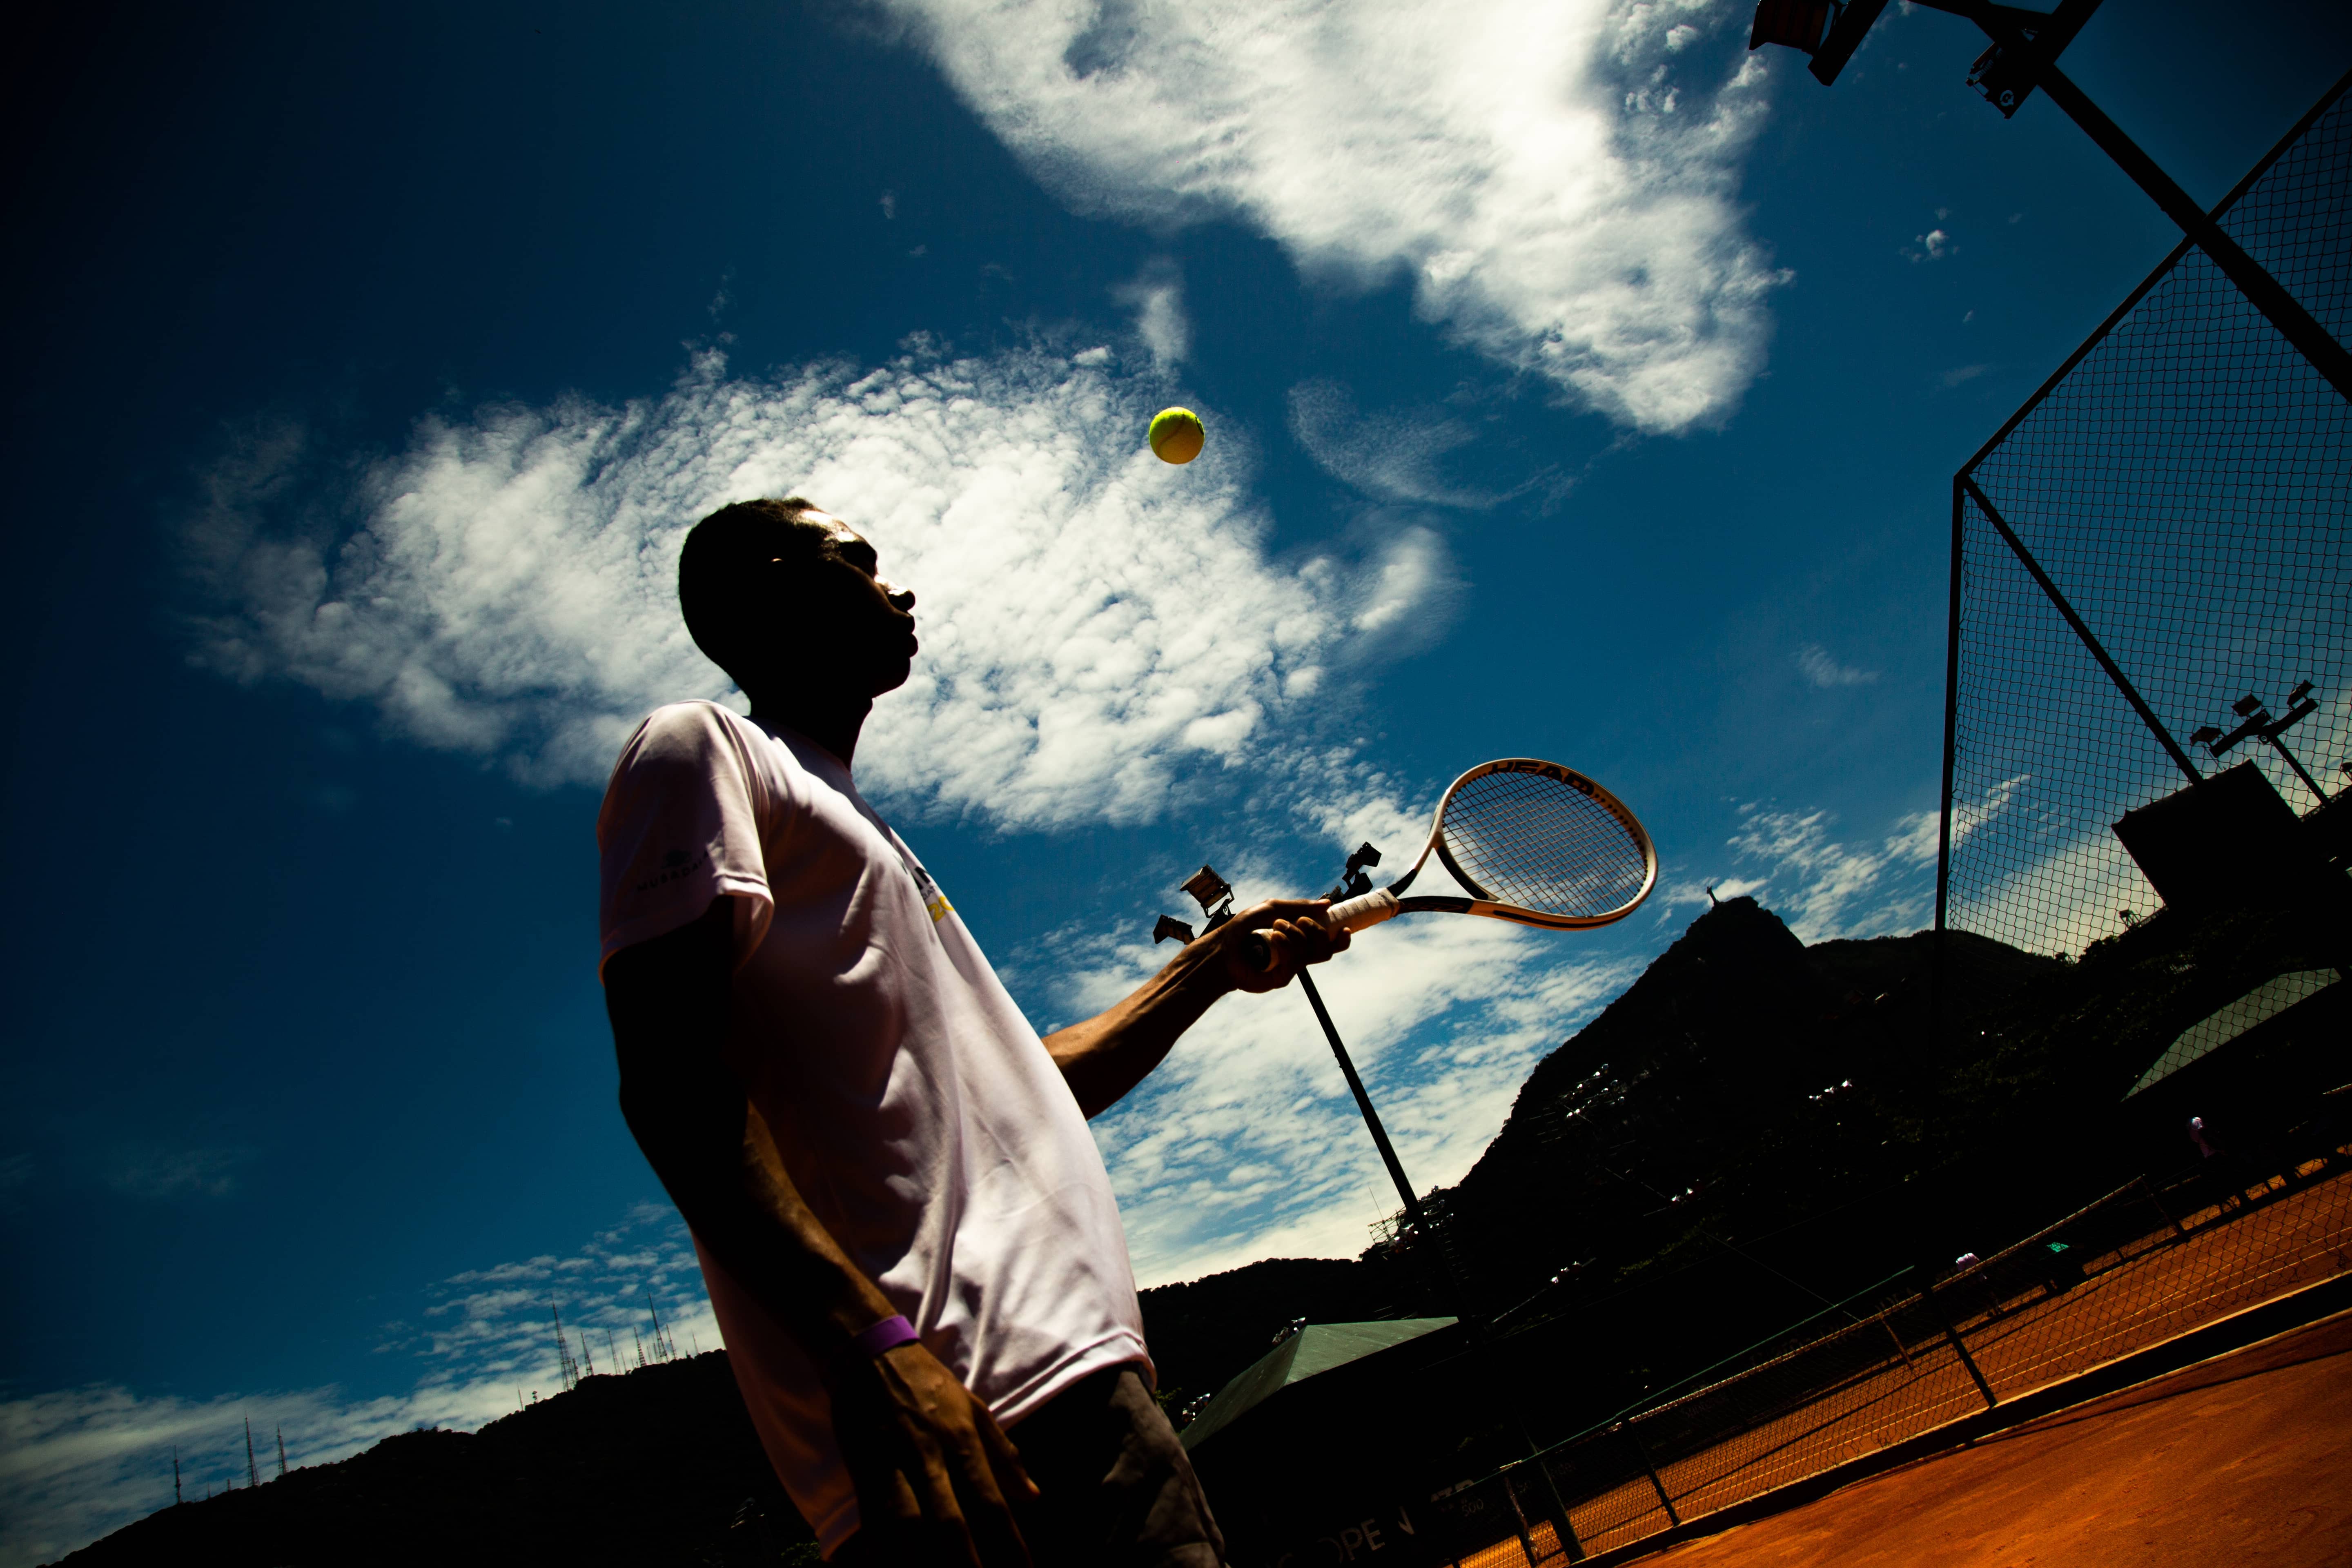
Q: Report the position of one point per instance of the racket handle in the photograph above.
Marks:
(1355, 914)
(1348, 915)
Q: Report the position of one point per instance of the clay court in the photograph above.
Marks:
(2244, 1458)
(2246, 1453)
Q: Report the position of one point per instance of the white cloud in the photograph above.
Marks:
(1556, 179)
(1391, 456)
(1245, 1143)
(1825, 672)
(1823, 888)
(1156, 295)
(1099, 629)
(1933, 246)
(76, 1463)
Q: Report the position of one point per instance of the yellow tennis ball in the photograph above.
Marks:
(1177, 436)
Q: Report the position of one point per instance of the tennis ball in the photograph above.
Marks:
(1177, 436)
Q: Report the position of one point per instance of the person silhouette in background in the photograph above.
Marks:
(907, 1232)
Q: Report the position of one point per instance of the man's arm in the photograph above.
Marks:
(1110, 1054)
(932, 1468)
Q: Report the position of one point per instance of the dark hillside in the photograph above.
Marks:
(1203, 1332)
(659, 1467)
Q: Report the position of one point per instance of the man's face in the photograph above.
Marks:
(861, 621)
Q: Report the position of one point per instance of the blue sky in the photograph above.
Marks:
(1578, 386)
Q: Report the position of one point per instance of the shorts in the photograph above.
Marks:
(1116, 1489)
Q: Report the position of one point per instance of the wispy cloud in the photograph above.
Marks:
(1823, 887)
(1556, 178)
(1101, 632)
(77, 1463)
(1391, 456)
(1960, 376)
(1156, 295)
(1825, 671)
(151, 1171)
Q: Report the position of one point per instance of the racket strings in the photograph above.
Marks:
(1543, 845)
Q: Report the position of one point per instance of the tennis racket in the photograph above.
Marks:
(1532, 842)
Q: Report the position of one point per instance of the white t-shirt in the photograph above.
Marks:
(915, 1108)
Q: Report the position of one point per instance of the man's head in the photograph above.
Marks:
(785, 598)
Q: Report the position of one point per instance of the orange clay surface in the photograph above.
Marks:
(2243, 1459)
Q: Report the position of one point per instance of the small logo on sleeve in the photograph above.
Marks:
(676, 864)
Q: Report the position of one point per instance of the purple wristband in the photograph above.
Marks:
(887, 1335)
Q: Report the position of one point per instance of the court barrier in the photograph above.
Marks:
(1897, 1362)
(2149, 565)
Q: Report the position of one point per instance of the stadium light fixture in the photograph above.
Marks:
(2259, 724)
(2023, 56)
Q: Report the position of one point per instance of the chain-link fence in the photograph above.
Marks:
(2163, 532)
(1897, 1361)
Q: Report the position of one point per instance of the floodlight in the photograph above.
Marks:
(2244, 705)
(2005, 76)
(1170, 926)
(2205, 735)
(1207, 887)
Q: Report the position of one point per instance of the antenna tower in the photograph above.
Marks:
(282, 1450)
(252, 1470)
(176, 1498)
(564, 1366)
(662, 1345)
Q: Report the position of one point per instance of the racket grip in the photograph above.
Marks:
(1348, 915)
(1355, 914)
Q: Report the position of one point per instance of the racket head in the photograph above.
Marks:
(1543, 845)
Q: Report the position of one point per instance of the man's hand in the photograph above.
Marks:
(1110, 1054)
(1292, 928)
(937, 1478)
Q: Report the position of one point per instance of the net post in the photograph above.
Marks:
(1952, 1337)
(2082, 632)
(1673, 1520)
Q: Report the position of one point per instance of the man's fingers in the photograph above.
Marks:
(991, 1526)
(1004, 1458)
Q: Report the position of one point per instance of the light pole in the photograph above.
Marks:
(1215, 897)
(2258, 723)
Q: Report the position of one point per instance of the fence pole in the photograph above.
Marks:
(2114, 672)
(1952, 1337)
(1951, 738)
(1527, 1536)
(1652, 1471)
(1559, 1520)
(2157, 1203)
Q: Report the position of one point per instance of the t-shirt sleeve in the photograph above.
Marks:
(680, 826)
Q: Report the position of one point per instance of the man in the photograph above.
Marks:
(904, 1226)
